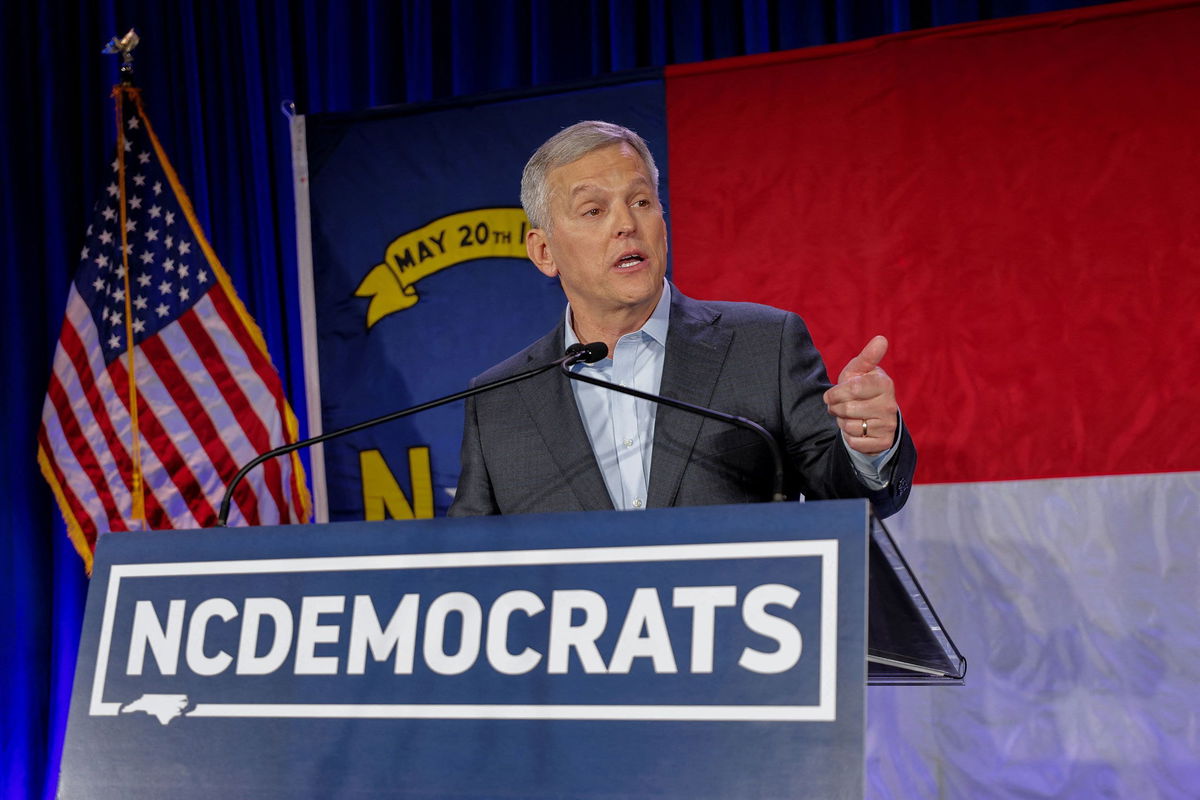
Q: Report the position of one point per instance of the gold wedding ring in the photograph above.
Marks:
(864, 433)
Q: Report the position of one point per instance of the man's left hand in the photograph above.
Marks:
(864, 401)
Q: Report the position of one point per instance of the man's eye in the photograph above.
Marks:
(592, 212)
(643, 203)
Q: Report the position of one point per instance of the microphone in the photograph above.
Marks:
(576, 353)
(598, 350)
(588, 353)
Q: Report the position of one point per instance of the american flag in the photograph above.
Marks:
(152, 314)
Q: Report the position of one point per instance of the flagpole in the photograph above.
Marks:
(124, 46)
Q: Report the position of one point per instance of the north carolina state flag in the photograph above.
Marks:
(1015, 205)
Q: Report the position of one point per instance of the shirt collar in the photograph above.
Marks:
(655, 327)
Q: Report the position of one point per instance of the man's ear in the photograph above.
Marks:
(537, 245)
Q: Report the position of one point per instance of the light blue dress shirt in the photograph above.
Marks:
(620, 428)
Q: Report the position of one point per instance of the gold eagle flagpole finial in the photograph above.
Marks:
(124, 46)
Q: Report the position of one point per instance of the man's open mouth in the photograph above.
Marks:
(630, 260)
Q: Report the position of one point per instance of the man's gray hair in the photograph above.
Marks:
(568, 145)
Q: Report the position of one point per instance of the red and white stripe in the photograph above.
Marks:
(203, 411)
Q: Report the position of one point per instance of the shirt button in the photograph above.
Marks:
(622, 383)
(628, 442)
(637, 503)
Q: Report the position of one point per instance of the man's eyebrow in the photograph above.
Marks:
(582, 188)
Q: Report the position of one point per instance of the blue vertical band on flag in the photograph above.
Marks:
(420, 275)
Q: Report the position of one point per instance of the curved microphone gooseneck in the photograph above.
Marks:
(720, 416)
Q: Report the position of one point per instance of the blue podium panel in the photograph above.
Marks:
(704, 652)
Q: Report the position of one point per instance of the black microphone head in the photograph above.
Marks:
(593, 352)
(579, 353)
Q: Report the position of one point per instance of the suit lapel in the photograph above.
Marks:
(551, 404)
(696, 350)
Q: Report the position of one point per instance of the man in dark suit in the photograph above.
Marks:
(549, 444)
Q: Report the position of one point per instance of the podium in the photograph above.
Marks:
(696, 652)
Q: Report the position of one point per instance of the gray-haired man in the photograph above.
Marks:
(546, 444)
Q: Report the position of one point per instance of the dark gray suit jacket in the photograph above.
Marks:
(525, 448)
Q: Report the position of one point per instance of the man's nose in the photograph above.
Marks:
(623, 221)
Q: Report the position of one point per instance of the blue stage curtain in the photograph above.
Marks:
(214, 76)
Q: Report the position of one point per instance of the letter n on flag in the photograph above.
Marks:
(161, 386)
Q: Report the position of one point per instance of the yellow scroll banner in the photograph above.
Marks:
(453, 239)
